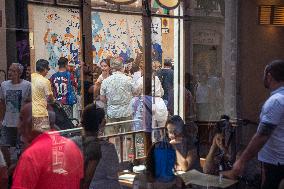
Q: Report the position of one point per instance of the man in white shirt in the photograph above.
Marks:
(116, 92)
(13, 93)
(268, 141)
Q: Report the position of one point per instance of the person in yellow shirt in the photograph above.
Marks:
(41, 95)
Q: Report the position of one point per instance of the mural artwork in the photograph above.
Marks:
(56, 34)
(121, 35)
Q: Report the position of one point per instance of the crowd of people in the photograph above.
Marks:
(34, 155)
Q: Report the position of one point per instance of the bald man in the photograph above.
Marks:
(13, 93)
(49, 162)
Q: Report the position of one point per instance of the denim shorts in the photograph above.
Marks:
(9, 136)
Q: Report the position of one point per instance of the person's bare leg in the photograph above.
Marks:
(6, 153)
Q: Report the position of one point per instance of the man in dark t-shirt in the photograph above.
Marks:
(166, 76)
(63, 85)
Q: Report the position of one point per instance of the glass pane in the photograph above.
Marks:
(117, 40)
(163, 71)
(207, 69)
(55, 33)
(213, 55)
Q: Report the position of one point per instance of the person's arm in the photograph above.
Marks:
(103, 92)
(255, 145)
(103, 98)
(271, 117)
(2, 111)
(186, 163)
(158, 84)
(2, 106)
(209, 165)
(48, 92)
(92, 156)
(97, 88)
(73, 81)
(89, 173)
(28, 95)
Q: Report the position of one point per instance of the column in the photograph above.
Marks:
(230, 72)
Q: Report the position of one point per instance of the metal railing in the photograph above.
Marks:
(121, 136)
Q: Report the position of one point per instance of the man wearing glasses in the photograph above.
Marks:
(41, 94)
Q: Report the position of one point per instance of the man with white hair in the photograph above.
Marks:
(13, 93)
(116, 91)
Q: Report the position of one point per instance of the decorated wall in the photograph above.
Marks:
(121, 35)
(55, 33)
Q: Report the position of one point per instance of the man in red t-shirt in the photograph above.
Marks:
(49, 162)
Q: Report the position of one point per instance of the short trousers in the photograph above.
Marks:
(118, 128)
(9, 136)
(41, 124)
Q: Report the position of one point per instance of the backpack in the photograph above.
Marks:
(165, 159)
(71, 96)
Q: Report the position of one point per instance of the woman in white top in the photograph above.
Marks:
(159, 108)
(105, 66)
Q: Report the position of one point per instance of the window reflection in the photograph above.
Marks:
(101, 102)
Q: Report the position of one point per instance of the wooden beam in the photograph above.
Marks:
(186, 59)
(147, 71)
(86, 47)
